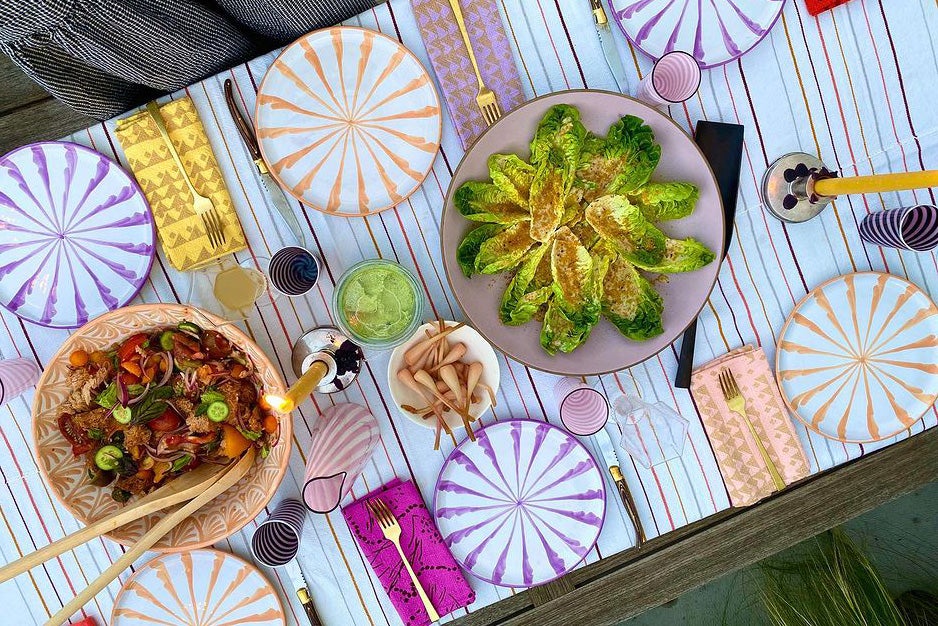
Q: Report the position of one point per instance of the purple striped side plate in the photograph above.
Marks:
(521, 505)
(76, 234)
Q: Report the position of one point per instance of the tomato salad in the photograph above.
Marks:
(160, 404)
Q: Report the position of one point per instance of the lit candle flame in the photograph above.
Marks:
(301, 389)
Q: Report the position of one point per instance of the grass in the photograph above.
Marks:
(832, 584)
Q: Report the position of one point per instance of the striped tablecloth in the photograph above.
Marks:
(855, 85)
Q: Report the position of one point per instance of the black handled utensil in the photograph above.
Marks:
(722, 146)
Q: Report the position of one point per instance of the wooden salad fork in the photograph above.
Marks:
(392, 532)
(183, 488)
(227, 479)
(486, 97)
(737, 404)
(203, 207)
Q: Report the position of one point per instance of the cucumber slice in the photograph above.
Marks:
(122, 414)
(189, 326)
(167, 342)
(108, 458)
(218, 411)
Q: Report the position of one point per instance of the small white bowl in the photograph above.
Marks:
(477, 349)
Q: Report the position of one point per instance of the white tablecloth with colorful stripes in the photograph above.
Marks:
(855, 85)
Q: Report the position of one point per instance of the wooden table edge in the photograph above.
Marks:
(628, 583)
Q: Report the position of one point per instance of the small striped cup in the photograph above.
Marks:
(16, 376)
(907, 228)
(674, 78)
(293, 271)
(277, 540)
(583, 410)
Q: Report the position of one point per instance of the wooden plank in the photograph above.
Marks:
(18, 89)
(629, 583)
(38, 121)
(550, 591)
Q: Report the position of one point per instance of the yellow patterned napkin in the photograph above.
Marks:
(185, 241)
(744, 471)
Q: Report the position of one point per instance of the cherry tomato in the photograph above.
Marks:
(79, 358)
(129, 348)
(80, 442)
(169, 420)
(88, 621)
(271, 423)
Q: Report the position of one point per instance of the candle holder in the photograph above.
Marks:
(327, 344)
(788, 187)
(325, 360)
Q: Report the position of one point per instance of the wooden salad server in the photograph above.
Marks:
(232, 474)
(183, 488)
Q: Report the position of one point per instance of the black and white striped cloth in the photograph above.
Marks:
(102, 57)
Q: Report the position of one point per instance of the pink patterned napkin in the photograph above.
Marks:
(744, 471)
(431, 559)
(450, 60)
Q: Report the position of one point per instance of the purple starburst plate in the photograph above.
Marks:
(76, 234)
(521, 505)
(714, 31)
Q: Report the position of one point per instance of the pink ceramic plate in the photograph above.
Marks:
(65, 474)
(684, 294)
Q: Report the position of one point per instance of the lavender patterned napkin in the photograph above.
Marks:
(450, 60)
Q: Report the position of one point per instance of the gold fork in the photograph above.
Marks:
(392, 532)
(737, 404)
(486, 98)
(204, 207)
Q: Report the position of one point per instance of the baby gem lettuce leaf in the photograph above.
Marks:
(620, 163)
(559, 333)
(559, 139)
(468, 249)
(505, 250)
(547, 201)
(522, 298)
(681, 256)
(631, 303)
(512, 175)
(484, 202)
(622, 224)
(660, 202)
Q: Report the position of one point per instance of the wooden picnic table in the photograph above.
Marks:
(630, 582)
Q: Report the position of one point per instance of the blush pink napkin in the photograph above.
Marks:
(435, 567)
(744, 471)
(450, 60)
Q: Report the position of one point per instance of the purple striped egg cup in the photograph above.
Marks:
(16, 376)
(277, 540)
(674, 78)
(906, 228)
(583, 410)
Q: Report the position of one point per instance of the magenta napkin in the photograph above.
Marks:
(450, 60)
(435, 567)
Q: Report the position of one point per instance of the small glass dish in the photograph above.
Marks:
(378, 304)
(651, 433)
